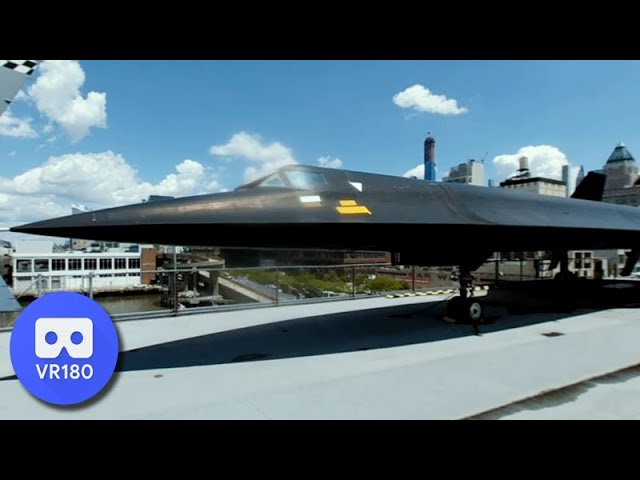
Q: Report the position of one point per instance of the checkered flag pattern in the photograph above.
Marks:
(21, 66)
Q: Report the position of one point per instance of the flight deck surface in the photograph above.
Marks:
(374, 358)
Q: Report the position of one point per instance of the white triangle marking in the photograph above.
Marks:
(356, 185)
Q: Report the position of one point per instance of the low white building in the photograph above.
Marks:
(35, 273)
(524, 182)
(542, 186)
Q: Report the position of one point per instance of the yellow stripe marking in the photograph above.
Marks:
(351, 207)
(353, 210)
(308, 205)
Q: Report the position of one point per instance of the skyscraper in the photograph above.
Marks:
(430, 158)
(580, 176)
(471, 173)
(565, 176)
(622, 184)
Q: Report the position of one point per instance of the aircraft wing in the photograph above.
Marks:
(13, 74)
(8, 302)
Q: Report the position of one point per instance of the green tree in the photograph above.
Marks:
(385, 284)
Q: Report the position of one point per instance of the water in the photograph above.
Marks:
(133, 303)
(112, 305)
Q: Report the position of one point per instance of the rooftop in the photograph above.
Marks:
(76, 253)
(518, 181)
(620, 154)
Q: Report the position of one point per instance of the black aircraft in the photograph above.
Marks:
(419, 222)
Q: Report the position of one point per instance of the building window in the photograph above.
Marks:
(578, 260)
(587, 260)
(23, 266)
(56, 283)
(75, 264)
(105, 264)
(121, 264)
(41, 265)
(134, 263)
(90, 263)
(58, 264)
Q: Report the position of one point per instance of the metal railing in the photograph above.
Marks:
(189, 290)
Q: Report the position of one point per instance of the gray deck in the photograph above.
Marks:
(373, 358)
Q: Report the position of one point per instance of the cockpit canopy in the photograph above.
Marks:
(299, 179)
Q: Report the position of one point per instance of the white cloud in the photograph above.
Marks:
(417, 171)
(191, 178)
(56, 93)
(11, 126)
(17, 209)
(544, 161)
(264, 158)
(50, 189)
(420, 98)
(328, 162)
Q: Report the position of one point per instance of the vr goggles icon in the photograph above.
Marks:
(54, 334)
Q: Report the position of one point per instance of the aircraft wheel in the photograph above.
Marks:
(474, 310)
(468, 310)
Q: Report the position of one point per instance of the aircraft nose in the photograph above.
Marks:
(147, 222)
(76, 226)
(59, 227)
(230, 218)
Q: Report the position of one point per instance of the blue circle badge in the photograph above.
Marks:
(64, 348)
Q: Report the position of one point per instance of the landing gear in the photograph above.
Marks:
(568, 287)
(465, 308)
(632, 259)
(562, 259)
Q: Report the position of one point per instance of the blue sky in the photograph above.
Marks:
(104, 133)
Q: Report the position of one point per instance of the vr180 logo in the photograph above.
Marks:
(55, 334)
(64, 348)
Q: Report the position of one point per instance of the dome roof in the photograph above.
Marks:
(620, 154)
